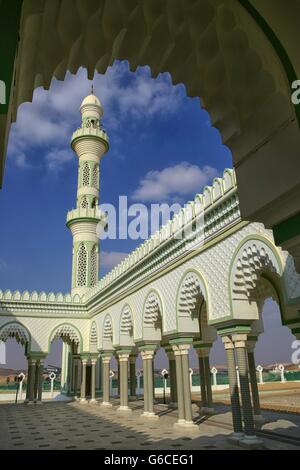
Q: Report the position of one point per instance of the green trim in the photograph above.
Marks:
(144, 346)
(232, 329)
(277, 45)
(287, 229)
(295, 330)
(182, 340)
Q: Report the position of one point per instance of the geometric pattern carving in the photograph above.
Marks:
(93, 338)
(93, 268)
(81, 266)
(190, 296)
(67, 333)
(14, 330)
(107, 328)
(250, 264)
(152, 314)
(126, 326)
(86, 172)
(84, 203)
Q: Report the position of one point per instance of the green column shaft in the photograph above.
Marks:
(202, 382)
(208, 382)
(145, 381)
(234, 392)
(150, 386)
(40, 381)
(245, 391)
(132, 373)
(253, 381)
(173, 381)
(180, 397)
(186, 387)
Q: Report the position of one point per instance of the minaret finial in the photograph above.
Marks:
(92, 89)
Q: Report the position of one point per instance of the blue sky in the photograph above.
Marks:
(162, 149)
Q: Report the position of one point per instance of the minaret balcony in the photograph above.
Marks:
(86, 214)
(90, 132)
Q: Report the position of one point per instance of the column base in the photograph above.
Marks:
(132, 397)
(30, 403)
(124, 409)
(149, 415)
(83, 401)
(251, 442)
(106, 404)
(259, 419)
(38, 403)
(236, 437)
(186, 425)
(207, 410)
(93, 400)
(173, 404)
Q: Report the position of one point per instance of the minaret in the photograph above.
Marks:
(90, 142)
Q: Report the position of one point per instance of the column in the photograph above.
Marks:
(32, 381)
(105, 380)
(40, 369)
(173, 380)
(145, 382)
(93, 380)
(185, 418)
(186, 384)
(234, 391)
(83, 381)
(204, 407)
(119, 375)
(254, 387)
(123, 361)
(132, 375)
(64, 365)
(180, 396)
(239, 341)
(148, 357)
(210, 407)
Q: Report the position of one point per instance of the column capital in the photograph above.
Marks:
(239, 340)
(227, 341)
(108, 354)
(147, 354)
(180, 349)
(123, 357)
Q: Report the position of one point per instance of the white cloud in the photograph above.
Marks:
(173, 182)
(127, 98)
(22, 161)
(110, 259)
(57, 158)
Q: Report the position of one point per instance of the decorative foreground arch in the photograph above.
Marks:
(15, 330)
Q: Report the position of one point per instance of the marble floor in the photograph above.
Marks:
(62, 425)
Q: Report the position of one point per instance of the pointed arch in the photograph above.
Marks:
(15, 330)
(68, 333)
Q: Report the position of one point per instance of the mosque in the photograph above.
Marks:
(162, 295)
